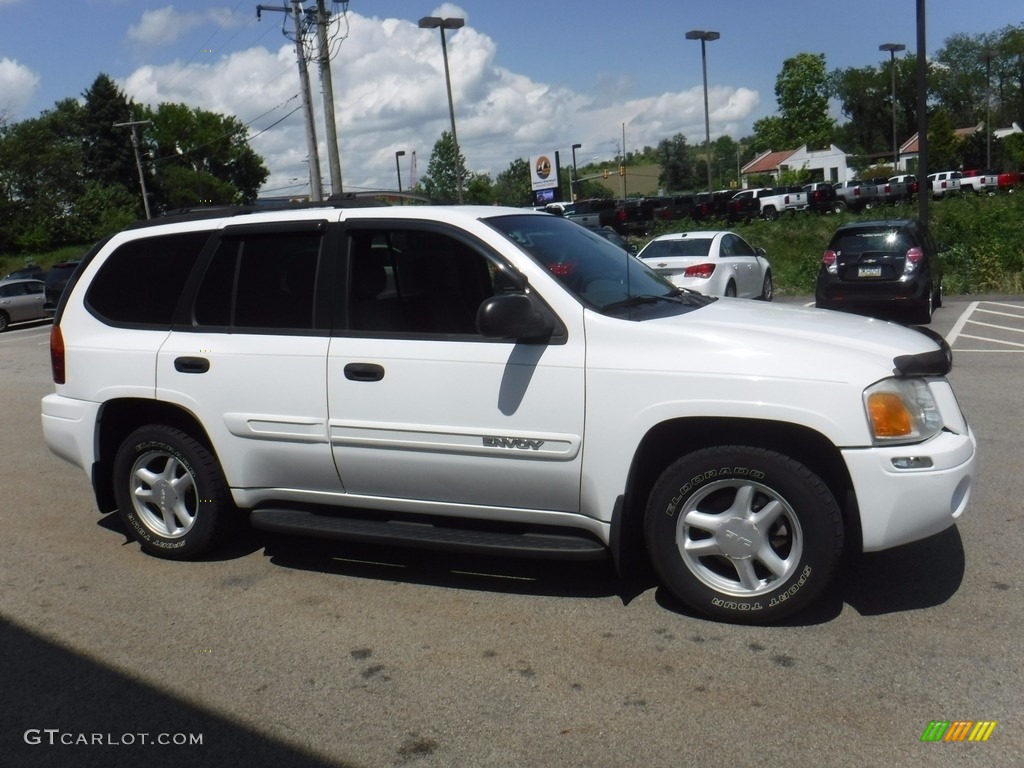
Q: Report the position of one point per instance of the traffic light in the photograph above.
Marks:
(622, 170)
(605, 172)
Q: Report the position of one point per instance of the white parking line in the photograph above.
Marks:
(982, 308)
(960, 323)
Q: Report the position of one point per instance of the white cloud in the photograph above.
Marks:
(166, 25)
(390, 95)
(18, 85)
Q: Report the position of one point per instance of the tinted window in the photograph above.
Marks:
(261, 280)
(874, 239)
(141, 282)
(411, 281)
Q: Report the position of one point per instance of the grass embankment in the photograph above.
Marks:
(984, 235)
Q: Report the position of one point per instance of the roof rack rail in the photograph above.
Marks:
(362, 199)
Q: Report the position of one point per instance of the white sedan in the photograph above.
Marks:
(713, 263)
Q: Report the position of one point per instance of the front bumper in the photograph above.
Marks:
(898, 506)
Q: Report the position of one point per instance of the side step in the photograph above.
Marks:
(563, 545)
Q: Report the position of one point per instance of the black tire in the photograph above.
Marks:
(743, 534)
(937, 301)
(922, 313)
(4, 321)
(171, 493)
(730, 289)
(770, 214)
(839, 206)
(767, 288)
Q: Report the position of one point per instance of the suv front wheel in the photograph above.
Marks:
(743, 534)
(171, 493)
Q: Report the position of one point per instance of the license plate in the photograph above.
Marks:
(869, 272)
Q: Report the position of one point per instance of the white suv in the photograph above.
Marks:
(497, 381)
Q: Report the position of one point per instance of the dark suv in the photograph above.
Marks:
(56, 281)
(881, 264)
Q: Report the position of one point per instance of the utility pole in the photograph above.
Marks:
(324, 58)
(134, 124)
(315, 184)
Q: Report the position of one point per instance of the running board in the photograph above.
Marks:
(563, 545)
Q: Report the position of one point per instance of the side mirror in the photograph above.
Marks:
(513, 316)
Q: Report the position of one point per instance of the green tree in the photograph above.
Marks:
(802, 91)
(480, 190)
(512, 186)
(108, 154)
(41, 163)
(943, 145)
(678, 166)
(440, 181)
(200, 157)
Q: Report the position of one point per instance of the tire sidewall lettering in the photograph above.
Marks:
(712, 474)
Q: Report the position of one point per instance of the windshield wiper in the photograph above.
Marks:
(644, 298)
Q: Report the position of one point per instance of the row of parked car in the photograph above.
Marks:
(636, 216)
(30, 293)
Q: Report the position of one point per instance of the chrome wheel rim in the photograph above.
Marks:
(164, 494)
(739, 538)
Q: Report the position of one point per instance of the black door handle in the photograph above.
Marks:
(191, 364)
(364, 372)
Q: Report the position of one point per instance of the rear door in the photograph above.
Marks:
(248, 357)
(427, 415)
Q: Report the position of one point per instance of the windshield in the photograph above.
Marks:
(601, 274)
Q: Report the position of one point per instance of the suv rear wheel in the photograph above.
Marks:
(743, 534)
(171, 492)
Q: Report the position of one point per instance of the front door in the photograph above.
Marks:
(425, 412)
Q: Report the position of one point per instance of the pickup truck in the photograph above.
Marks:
(713, 205)
(856, 195)
(979, 182)
(595, 212)
(635, 216)
(944, 183)
(675, 207)
(774, 201)
(909, 180)
(821, 197)
(890, 192)
(1009, 181)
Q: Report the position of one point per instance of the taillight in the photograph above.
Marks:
(829, 260)
(699, 270)
(621, 214)
(57, 354)
(914, 257)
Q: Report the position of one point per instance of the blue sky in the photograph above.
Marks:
(528, 77)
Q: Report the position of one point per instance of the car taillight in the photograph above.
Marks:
(699, 270)
(621, 214)
(57, 354)
(829, 260)
(914, 257)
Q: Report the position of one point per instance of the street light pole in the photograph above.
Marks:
(705, 36)
(436, 22)
(892, 48)
(398, 168)
(575, 175)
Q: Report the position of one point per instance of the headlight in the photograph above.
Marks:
(901, 411)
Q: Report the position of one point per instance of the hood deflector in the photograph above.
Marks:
(936, 363)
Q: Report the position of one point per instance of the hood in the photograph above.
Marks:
(752, 338)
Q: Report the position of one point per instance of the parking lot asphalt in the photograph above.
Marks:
(280, 651)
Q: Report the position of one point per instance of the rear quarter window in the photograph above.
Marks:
(141, 282)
